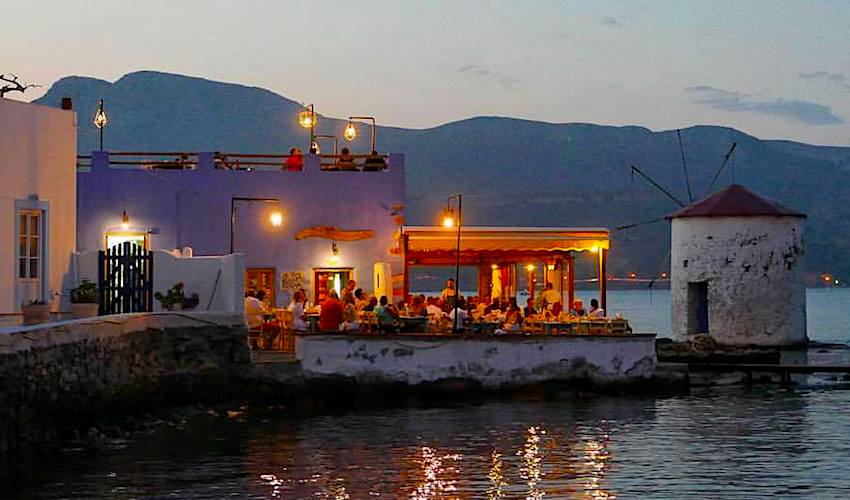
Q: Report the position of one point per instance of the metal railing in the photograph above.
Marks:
(183, 160)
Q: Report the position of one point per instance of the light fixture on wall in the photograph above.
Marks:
(350, 132)
(125, 220)
(276, 218)
(334, 253)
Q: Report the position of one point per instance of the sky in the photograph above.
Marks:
(776, 69)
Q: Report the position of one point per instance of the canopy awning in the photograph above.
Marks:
(502, 239)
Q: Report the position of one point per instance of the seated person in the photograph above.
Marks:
(434, 310)
(374, 162)
(595, 310)
(345, 161)
(349, 315)
(529, 308)
(361, 300)
(372, 305)
(295, 161)
(417, 308)
(296, 307)
(462, 315)
(330, 316)
(578, 308)
(386, 313)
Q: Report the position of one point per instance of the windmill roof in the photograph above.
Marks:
(735, 201)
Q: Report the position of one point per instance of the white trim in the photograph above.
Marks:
(44, 208)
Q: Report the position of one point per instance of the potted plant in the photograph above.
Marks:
(35, 311)
(175, 298)
(84, 300)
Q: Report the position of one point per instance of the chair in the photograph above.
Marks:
(619, 327)
(598, 326)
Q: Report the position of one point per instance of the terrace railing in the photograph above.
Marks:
(184, 160)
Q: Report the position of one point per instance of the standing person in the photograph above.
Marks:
(550, 295)
(448, 293)
(253, 310)
(348, 290)
(295, 161)
(331, 315)
(595, 310)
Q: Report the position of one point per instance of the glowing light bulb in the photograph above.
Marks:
(530, 268)
(350, 132)
(276, 218)
(100, 119)
(594, 249)
(308, 118)
(448, 221)
(125, 220)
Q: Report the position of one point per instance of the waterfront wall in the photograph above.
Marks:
(493, 361)
(754, 271)
(65, 376)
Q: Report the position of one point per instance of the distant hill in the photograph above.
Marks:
(513, 172)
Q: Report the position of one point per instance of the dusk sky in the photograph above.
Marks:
(775, 69)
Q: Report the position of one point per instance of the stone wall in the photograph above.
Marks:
(492, 361)
(754, 270)
(64, 376)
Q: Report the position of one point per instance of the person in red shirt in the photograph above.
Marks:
(295, 160)
(331, 315)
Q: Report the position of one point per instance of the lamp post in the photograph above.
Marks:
(450, 220)
(276, 218)
(100, 121)
(308, 119)
(350, 132)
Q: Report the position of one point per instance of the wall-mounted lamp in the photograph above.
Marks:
(125, 221)
(334, 253)
(276, 218)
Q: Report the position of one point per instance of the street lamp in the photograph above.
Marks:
(309, 119)
(100, 121)
(450, 220)
(276, 218)
(350, 132)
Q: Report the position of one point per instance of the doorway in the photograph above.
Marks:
(698, 308)
(327, 279)
(262, 279)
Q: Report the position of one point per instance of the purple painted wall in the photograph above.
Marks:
(191, 208)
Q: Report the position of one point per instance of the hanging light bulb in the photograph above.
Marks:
(449, 219)
(100, 119)
(125, 220)
(308, 118)
(350, 131)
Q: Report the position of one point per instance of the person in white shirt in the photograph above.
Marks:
(253, 310)
(595, 310)
(296, 307)
(550, 295)
(462, 315)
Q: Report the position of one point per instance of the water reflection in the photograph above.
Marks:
(711, 445)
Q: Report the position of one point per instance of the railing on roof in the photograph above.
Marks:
(181, 160)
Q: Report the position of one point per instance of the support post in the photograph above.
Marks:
(571, 281)
(603, 279)
(405, 286)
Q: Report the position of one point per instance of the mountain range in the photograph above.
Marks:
(511, 171)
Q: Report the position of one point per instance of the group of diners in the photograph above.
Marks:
(354, 310)
(344, 161)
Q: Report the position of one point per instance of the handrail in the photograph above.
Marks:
(183, 160)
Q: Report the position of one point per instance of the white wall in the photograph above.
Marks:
(198, 274)
(38, 150)
(493, 360)
(755, 273)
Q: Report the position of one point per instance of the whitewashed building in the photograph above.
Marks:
(38, 154)
(737, 270)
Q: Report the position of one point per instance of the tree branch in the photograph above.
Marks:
(13, 84)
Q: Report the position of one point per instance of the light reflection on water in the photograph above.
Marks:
(719, 444)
